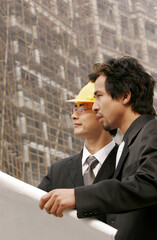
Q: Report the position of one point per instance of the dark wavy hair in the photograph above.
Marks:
(127, 74)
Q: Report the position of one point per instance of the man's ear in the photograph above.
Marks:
(126, 97)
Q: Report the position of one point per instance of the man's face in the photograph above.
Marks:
(109, 111)
(85, 123)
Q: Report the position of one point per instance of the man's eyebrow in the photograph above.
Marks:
(80, 105)
(96, 92)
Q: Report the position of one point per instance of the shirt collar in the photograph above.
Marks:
(101, 155)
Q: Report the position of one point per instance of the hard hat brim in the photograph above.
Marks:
(80, 100)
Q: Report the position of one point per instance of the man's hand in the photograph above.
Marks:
(56, 201)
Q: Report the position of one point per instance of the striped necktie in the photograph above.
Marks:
(89, 175)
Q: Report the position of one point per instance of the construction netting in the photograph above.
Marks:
(47, 49)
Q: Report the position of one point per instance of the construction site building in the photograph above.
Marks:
(47, 49)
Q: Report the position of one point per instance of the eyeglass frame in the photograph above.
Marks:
(79, 110)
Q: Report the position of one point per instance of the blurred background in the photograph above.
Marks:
(47, 49)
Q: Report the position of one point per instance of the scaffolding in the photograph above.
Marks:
(47, 49)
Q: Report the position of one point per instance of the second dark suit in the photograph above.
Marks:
(67, 173)
(129, 200)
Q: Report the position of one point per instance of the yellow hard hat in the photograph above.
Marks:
(86, 94)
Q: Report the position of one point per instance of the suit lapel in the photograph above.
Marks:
(129, 137)
(75, 170)
(108, 167)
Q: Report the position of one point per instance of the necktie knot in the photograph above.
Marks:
(92, 162)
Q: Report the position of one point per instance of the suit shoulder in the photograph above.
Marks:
(150, 126)
(67, 160)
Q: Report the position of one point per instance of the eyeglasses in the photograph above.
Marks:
(79, 110)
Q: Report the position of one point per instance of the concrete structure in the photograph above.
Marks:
(47, 48)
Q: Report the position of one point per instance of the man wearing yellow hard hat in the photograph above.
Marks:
(94, 163)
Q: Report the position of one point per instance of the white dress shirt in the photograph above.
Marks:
(119, 152)
(101, 155)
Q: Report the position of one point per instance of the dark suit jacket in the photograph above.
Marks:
(129, 200)
(67, 173)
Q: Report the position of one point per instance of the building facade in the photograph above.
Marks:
(47, 49)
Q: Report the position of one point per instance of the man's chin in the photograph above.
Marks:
(113, 132)
(106, 128)
(77, 134)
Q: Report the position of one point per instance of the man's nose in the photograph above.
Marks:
(95, 106)
(75, 115)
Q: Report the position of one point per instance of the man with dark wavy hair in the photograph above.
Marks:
(123, 99)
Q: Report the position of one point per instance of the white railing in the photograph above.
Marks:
(21, 218)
